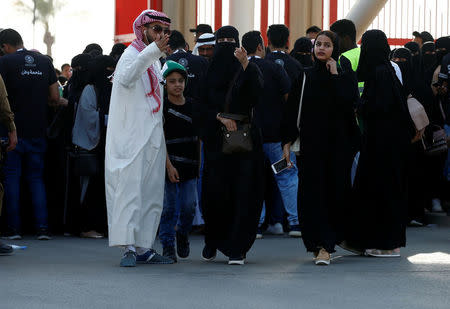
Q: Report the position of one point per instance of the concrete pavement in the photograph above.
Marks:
(82, 273)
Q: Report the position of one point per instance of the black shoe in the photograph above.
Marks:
(183, 249)
(43, 234)
(12, 235)
(169, 252)
(5, 249)
(236, 260)
(209, 254)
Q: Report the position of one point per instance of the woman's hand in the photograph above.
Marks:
(172, 173)
(418, 136)
(332, 66)
(228, 123)
(287, 154)
(241, 55)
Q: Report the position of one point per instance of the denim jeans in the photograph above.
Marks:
(287, 182)
(27, 160)
(185, 195)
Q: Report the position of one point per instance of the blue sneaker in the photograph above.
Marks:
(128, 259)
(151, 257)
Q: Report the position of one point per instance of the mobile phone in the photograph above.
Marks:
(280, 166)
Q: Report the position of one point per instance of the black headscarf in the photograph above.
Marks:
(405, 67)
(224, 64)
(80, 76)
(443, 42)
(117, 51)
(416, 57)
(102, 67)
(375, 51)
(302, 52)
(429, 61)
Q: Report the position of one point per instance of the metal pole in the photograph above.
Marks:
(363, 13)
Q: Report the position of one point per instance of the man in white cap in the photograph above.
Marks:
(205, 46)
(135, 145)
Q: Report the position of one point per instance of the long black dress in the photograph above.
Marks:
(327, 133)
(232, 184)
(379, 212)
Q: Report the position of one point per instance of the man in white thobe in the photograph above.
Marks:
(135, 145)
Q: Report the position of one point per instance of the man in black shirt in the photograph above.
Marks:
(196, 66)
(269, 116)
(31, 83)
(278, 36)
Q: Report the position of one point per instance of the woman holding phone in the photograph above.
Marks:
(327, 130)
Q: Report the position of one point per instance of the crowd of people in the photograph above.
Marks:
(338, 144)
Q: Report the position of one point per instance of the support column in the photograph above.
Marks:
(183, 15)
(363, 13)
(304, 14)
(242, 15)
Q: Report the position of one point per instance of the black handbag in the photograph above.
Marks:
(84, 163)
(239, 141)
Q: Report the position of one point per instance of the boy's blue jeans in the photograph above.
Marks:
(183, 194)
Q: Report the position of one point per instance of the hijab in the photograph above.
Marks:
(443, 42)
(224, 64)
(302, 52)
(375, 51)
(406, 68)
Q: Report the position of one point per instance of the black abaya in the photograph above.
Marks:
(232, 184)
(379, 213)
(327, 133)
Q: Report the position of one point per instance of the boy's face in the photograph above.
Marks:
(175, 84)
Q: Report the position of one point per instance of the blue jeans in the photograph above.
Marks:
(287, 182)
(185, 194)
(27, 160)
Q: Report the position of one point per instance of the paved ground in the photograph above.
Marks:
(77, 273)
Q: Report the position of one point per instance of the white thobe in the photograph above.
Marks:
(135, 152)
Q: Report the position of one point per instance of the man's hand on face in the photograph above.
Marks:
(162, 41)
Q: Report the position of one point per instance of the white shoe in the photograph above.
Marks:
(415, 223)
(436, 205)
(276, 229)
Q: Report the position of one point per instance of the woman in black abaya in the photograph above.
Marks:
(327, 129)
(379, 214)
(232, 183)
(302, 51)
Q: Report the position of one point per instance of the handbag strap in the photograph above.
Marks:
(301, 102)
(230, 90)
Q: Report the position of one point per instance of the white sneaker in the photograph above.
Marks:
(276, 229)
(436, 205)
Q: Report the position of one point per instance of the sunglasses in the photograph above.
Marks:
(159, 29)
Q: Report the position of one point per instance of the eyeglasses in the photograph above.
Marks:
(159, 29)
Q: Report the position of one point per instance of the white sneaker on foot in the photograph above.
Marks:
(436, 205)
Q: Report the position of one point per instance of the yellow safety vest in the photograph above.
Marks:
(353, 56)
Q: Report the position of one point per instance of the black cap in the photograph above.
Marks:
(202, 28)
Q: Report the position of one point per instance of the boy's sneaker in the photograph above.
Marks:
(295, 231)
(209, 254)
(5, 249)
(12, 235)
(238, 260)
(169, 252)
(276, 229)
(128, 259)
(43, 234)
(259, 233)
(183, 249)
(151, 257)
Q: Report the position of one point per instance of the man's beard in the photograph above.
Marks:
(149, 38)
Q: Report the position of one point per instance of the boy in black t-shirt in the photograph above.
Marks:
(182, 164)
